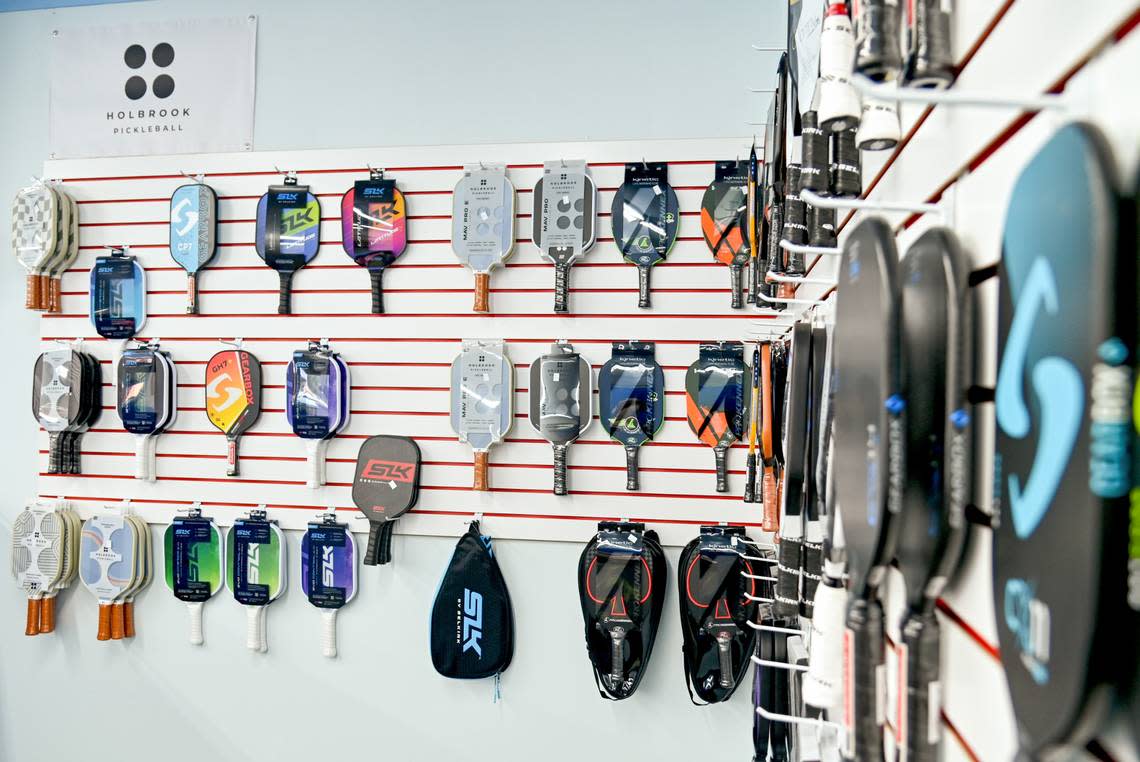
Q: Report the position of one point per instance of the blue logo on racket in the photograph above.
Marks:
(472, 621)
(1053, 378)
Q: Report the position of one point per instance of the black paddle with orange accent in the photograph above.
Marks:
(716, 403)
(768, 482)
(724, 222)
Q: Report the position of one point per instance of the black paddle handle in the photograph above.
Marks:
(811, 572)
(632, 482)
(55, 443)
(750, 479)
(561, 288)
(377, 276)
(788, 578)
(720, 454)
(643, 287)
(560, 469)
(285, 295)
(865, 623)
(372, 551)
(923, 649)
(386, 532)
(736, 272)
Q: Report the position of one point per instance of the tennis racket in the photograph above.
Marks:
(256, 572)
(631, 400)
(724, 222)
(483, 224)
(561, 402)
(374, 228)
(716, 406)
(328, 573)
(193, 234)
(288, 233)
(233, 398)
(869, 461)
(385, 486)
(194, 564)
(565, 205)
(118, 295)
(482, 400)
(646, 216)
(794, 494)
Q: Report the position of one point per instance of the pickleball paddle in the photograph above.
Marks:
(194, 556)
(35, 230)
(812, 570)
(645, 216)
(193, 234)
(56, 399)
(144, 570)
(117, 295)
(561, 402)
(715, 401)
(565, 204)
(288, 233)
(328, 573)
(107, 563)
(316, 403)
(483, 224)
(794, 494)
(70, 525)
(146, 401)
(385, 486)
(724, 222)
(233, 398)
(66, 246)
(482, 400)
(374, 228)
(256, 571)
(631, 400)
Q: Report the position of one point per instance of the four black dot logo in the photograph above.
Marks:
(135, 58)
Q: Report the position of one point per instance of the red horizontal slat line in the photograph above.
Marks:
(205, 291)
(450, 315)
(946, 721)
(249, 221)
(399, 265)
(967, 628)
(339, 244)
(384, 340)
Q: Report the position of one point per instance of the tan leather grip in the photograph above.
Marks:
(771, 505)
(482, 292)
(116, 621)
(47, 615)
(481, 461)
(104, 621)
(33, 627)
(31, 293)
(129, 619)
(41, 294)
(55, 289)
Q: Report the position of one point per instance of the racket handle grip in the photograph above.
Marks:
(736, 273)
(55, 446)
(810, 572)
(482, 460)
(129, 619)
(771, 521)
(142, 470)
(376, 275)
(33, 624)
(482, 292)
(253, 627)
(724, 655)
(750, 479)
(262, 638)
(285, 294)
(560, 469)
(632, 480)
(788, 578)
(31, 293)
(191, 294)
(617, 661)
(42, 292)
(55, 294)
(232, 467)
(720, 455)
(117, 625)
(922, 724)
(313, 463)
(328, 633)
(384, 555)
(865, 631)
(823, 684)
(195, 608)
(372, 551)
(643, 287)
(561, 288)
(104, 621)
(47, 614)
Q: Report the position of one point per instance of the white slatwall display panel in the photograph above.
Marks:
(967, 159)
(400, 361)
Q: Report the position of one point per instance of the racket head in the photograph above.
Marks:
(313, 394)
(645, 214)
(233, 391)
(107, 556)
(23, 532)
(1066, 336)
(631, 393)
(255, 568)
(565, 207)
(194, 558)
(299, 220)
(374, 222)
(56, 389)
(561, 394)
(53, 262)
(724, 214)
(482, 393)
(34, 226)
(328, 564)
(117, 296)
(483, 217)
(865, 382)
(715, 399)
(385, 485)
(193, 226)
(143, 391)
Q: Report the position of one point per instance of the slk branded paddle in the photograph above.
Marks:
(118, 295)
(288, 233)
(195, 558)
(328, 573)
(374, 228)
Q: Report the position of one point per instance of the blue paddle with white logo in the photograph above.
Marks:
(328, 572)
(193, 239)
(288, 233)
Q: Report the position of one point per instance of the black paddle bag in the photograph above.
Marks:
(472, 625)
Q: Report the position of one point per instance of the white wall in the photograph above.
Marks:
(384, 699)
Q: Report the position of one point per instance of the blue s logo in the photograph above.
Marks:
(1054, 379)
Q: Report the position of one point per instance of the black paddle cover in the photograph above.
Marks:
(472, 624)
(621, 556)
(385, 487)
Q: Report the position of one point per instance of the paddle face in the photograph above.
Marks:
(328, 565)
(193, 226)
(865, 373)
(561, 397)
(256, 562)
(386, 483)
(233, 391)
(194, 559)
(313, 394)
(107, 559)
(374, 222)
(716, 404)
(143, 391)
(1066, 339)
(55, 399)
(483, 217)
(645, 214)
(724, 214)
(34, 228)
(288, 227)
(482, 393)
(631, 393)
(118, 296)
(565, 200)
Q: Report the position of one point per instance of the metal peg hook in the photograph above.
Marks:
(290, 175)
(796, 248)
(773, 628)
(834, 202)
(816, 722)
(759, 577)
(765, 49)
(198, 177)
(779, 664)
(236, 343)
(758, 599)
(953, 97)
(377, 173)
(779, 300)
(777, 278)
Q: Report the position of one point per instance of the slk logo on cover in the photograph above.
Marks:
(388, 471)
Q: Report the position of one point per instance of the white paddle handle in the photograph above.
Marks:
(263, 641)
(195, 608)
(328, 632)
(823, 684)
(142, 470)
(253, 627)
(314, 452)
